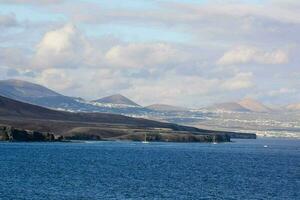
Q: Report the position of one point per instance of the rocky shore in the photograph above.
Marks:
(153, 137)
(25, 122)
(8, 133)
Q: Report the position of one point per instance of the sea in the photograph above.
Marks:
(241, 169)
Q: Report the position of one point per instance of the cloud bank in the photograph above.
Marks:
(189, 54)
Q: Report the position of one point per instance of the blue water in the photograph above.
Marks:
(243, 169)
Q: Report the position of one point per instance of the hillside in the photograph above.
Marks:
(22, 90)
(37, 94)
(229, 106)
(254, 105)
(31, 117)
(294, 107)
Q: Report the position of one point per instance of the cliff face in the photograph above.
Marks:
(176, 138)
(153, 135)
(8, 133)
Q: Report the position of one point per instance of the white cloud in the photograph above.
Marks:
(65, 47)
(239, 81)
(143, 55)
(246, 55)
(282, 91)
(186, 90)
(56, 79)
(150, 70)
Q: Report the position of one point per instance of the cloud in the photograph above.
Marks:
(176, 13)
(54, 78)
(64, 47)
(282, 91)
(8, 20)
(246, 55)
(138, 55)
(187, 90)
(238, 82)
(13, 57)
(150, 68)
(67, 47)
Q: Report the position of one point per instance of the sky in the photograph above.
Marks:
(180, 52)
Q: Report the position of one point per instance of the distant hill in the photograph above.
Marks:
(245, 105)
(116, 99)
(254, 105)
(229, 106)
(164, 107)
(294, 107)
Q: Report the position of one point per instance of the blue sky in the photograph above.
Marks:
(188, 52)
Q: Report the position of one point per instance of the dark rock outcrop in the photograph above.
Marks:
(8, 133)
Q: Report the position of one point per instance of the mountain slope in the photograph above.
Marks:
(23, 90)
(37, 94)
(116, 99)
(254, 105)
(32, 117)
(294, 107)
(229, 106)
(12, 108)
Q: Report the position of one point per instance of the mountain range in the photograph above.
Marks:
(99, 126)
(245, 105)
(39, 95)
(231, 116)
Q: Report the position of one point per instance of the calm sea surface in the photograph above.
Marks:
(243, 169)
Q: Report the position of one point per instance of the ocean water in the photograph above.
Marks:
(243, 169)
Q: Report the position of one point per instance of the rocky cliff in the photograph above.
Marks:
(8, 133)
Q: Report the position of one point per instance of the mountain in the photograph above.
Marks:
(116, 99)
(245, 105)
(254, 105)
(97, 125)
(22, 90)
(229, 106)
(294, 107)
(164, 107)
(38, 95)
(13, 108)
